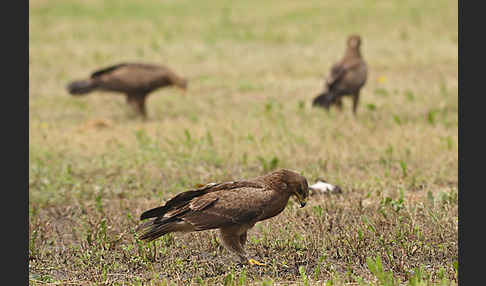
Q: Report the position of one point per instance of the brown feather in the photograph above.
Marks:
(179, 200)
(201, 203)
(106, 70)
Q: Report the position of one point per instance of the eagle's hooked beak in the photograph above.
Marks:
(302, 201)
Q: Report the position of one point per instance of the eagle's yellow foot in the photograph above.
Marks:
(252, 261)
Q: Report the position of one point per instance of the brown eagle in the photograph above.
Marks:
(135, 80)
(233, 207)
(347, 77)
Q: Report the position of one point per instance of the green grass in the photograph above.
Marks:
(254, 68)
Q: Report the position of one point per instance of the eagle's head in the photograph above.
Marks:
(290, 181)
(302, 192)
(182, 83)
(354, 41)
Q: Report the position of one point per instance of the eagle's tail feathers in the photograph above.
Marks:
(155, 229)
(81, 87)
(323, 99)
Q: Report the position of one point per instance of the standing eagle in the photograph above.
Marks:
(135, 80)
(232, 207)
(347, 77)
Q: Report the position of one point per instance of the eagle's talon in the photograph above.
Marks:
(252, 261)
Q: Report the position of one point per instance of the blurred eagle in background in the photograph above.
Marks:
(346, 77)
(135, 80)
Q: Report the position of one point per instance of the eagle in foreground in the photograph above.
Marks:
(232, 207)
(347, 77)
(135, 80)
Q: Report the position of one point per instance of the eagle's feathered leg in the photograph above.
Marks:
(243, 239)
(138, 102)
(339, 104)
(355, 101)
(232, 240)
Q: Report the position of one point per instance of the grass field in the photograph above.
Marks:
(253, 68)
